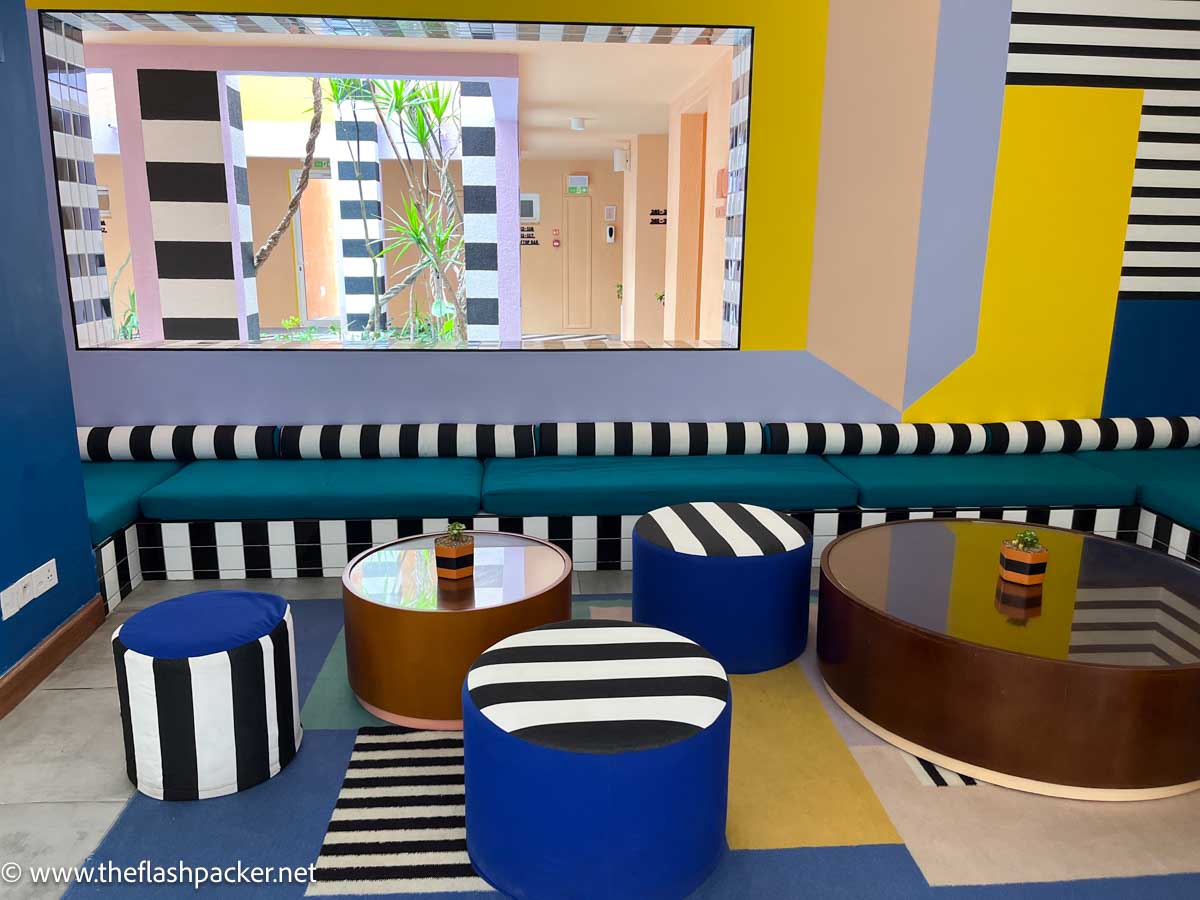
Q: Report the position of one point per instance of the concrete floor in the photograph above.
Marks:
(63, 781)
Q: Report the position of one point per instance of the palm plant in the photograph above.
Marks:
(422, 122)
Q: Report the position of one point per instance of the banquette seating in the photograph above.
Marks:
(201, 501)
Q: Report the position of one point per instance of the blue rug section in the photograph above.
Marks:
(318, 623)
(280, 822)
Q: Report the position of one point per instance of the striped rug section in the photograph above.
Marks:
(931, 775)
(399, 826)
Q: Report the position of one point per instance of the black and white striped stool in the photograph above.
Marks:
(207, 687)
(596, 762)
(733, 577)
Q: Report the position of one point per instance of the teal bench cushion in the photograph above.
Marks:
(1051, 479)
(318, 488)
(112, 490)
(631, 485)
(1168, 481)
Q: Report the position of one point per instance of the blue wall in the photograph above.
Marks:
(1152, 364)
(42, 511)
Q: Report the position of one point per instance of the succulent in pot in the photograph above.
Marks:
(1023, 558)
(455, 552)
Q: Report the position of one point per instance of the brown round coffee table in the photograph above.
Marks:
(1088, 689)
(411, 637)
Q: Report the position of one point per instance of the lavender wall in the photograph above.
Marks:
(322, 386)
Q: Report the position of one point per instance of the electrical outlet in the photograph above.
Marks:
(27, 588)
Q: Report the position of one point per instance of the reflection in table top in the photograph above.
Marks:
(508, 568)
(1103, 601)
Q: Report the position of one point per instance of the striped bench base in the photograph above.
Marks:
(321, 548)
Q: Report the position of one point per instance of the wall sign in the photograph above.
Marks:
(658, 217)
(529, 237)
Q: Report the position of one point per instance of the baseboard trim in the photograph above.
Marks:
(20, 681)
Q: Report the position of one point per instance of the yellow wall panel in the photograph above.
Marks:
(1061, 202)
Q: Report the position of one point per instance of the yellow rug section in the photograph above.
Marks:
(792, 779)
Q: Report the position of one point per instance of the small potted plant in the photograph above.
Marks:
(1023, 558)
(455, 552)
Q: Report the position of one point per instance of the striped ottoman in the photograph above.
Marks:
(732, 577)
(207, 687)
(596, 762)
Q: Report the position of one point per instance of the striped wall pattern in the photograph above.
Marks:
(1135, 626)
(480, 222)
(428, 28)
(399, 825)
(75, 173)
(191, 209)
(735, 203)
(243, 230)
(322, 548)
(358, 191)
(212, 725)
(1154, 47)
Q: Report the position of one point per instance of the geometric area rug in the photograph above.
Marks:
(399, 826)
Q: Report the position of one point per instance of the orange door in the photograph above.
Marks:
(318, 257)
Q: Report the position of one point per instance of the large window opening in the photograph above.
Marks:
(277, 182)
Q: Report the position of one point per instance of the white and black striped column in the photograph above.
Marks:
(75, 172)
(735, 203)
(243, 231)
(479, 211)
(356, 166)
(192, 200)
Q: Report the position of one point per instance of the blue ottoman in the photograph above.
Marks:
(207, 689)
(732, 577)
(597, 762)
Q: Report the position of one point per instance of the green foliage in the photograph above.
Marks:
(295, 330)
(1027, 540)
(661, 297)
(129, 328)
(456, 530)
(620, 291)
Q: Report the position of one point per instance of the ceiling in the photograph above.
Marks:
(620, 89)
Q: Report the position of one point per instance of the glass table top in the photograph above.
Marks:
(508, 568)
(1103, 601)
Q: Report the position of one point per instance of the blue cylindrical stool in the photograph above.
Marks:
(207, 688)
(732, 577)
(597, 762)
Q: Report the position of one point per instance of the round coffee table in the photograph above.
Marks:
(1087, 689)
(411, 637)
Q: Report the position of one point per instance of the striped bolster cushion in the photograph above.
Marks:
(183, 442)
(1069, 435)
(864, 439)
(407, 441)
(650, 438)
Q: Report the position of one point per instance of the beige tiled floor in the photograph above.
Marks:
(63, 781)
